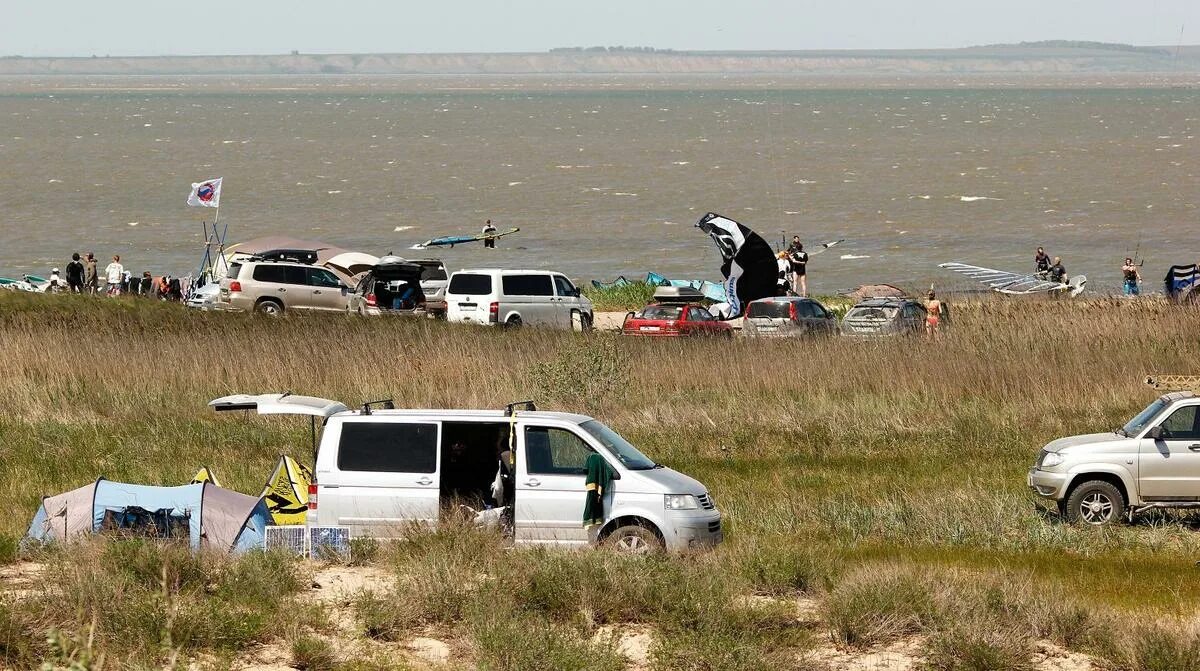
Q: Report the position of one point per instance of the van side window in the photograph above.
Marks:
(388, 447)
(527, 285)
(554, 452)
(564, 286)
(1181, 425)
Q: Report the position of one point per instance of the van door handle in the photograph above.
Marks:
(532, 482)
(1194, 448)
(282, 289)
(425, 481)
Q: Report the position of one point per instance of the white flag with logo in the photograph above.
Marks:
(206, 193)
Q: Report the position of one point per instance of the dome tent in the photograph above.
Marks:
(211, 517)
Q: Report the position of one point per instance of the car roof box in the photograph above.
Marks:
(308, 256)
(677, 295)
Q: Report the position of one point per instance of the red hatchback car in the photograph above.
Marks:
(675, 314)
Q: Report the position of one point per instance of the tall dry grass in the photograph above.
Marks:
(902, 449)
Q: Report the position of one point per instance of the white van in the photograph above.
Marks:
(517, 297)
(380, 471)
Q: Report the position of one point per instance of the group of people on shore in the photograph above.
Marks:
(83, 276)
(1054, 271)
(793, 269)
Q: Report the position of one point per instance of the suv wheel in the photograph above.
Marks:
(269, 307)
(514, 322)
(1095, 503)
(633, 539)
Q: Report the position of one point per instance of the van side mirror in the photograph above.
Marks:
(576, 293)
(1155, 434)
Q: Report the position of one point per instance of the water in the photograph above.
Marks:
(606, 176)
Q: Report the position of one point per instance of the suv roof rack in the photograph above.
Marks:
(387, 404)
(1174, 382)
(511, 408)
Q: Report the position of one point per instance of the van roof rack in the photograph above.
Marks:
(1174, 382)
(511, 408)
(387, 403)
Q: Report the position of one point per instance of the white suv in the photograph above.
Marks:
(517, 297)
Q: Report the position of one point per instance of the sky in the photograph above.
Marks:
(168, 27)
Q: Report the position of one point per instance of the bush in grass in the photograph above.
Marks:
(1165, 649)
(310, 653)
(10, 549)
(879, 604)
(583, 375)
(979, 646)
(507, 642)
(147, 600)
(363, 550)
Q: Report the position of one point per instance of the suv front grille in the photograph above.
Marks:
(706, 502)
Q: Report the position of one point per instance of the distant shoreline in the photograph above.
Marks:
(1044, 58)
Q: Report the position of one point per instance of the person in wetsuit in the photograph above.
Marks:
(1057, 272)
(1041, 262)
(1132, 278)
(75, 274)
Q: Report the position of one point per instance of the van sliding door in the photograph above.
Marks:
(384, 476)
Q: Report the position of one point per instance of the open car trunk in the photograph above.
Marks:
(395, 284)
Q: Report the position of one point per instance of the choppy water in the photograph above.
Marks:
(605, 179)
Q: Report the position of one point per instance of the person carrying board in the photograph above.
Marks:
(489, 229)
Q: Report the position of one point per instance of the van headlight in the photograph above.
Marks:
(681, 502)
(1050, 459)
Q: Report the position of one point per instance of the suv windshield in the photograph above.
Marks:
(1138, 423)
(883, 313)
(618, 446)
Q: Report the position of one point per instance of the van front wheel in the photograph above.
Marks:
(633, 539)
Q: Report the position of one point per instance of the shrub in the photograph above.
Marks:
(583, 374)
(1162, 649)
(10, 549)
(979, 646)
(363, 550)
(876, 605)
(506, 642)
(310, 653)
(780, 568)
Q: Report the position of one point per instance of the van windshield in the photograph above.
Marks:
(618, 446)
(1138, 423)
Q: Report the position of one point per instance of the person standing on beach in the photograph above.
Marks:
(489, 229)
(799, 260)
(1132, 277)
(784, 282)
(115, 274)
(1041, 262)
(933, 315)
(75, 274)
(91, 280)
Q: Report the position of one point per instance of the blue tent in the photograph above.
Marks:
(211, 517)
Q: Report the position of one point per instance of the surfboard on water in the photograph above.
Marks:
(451, 240)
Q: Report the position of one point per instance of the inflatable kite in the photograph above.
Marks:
(748, 264)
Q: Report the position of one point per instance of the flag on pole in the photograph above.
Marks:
(205, 194)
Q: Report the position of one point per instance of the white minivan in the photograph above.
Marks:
(517, 297)
(382, 471)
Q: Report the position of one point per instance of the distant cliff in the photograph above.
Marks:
(1040, 57)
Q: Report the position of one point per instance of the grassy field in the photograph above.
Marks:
(874, 493)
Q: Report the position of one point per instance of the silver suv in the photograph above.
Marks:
(1151, 462)
(271, 287)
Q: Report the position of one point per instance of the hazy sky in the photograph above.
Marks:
(149, 27)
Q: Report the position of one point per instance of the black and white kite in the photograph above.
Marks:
(748, 264)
